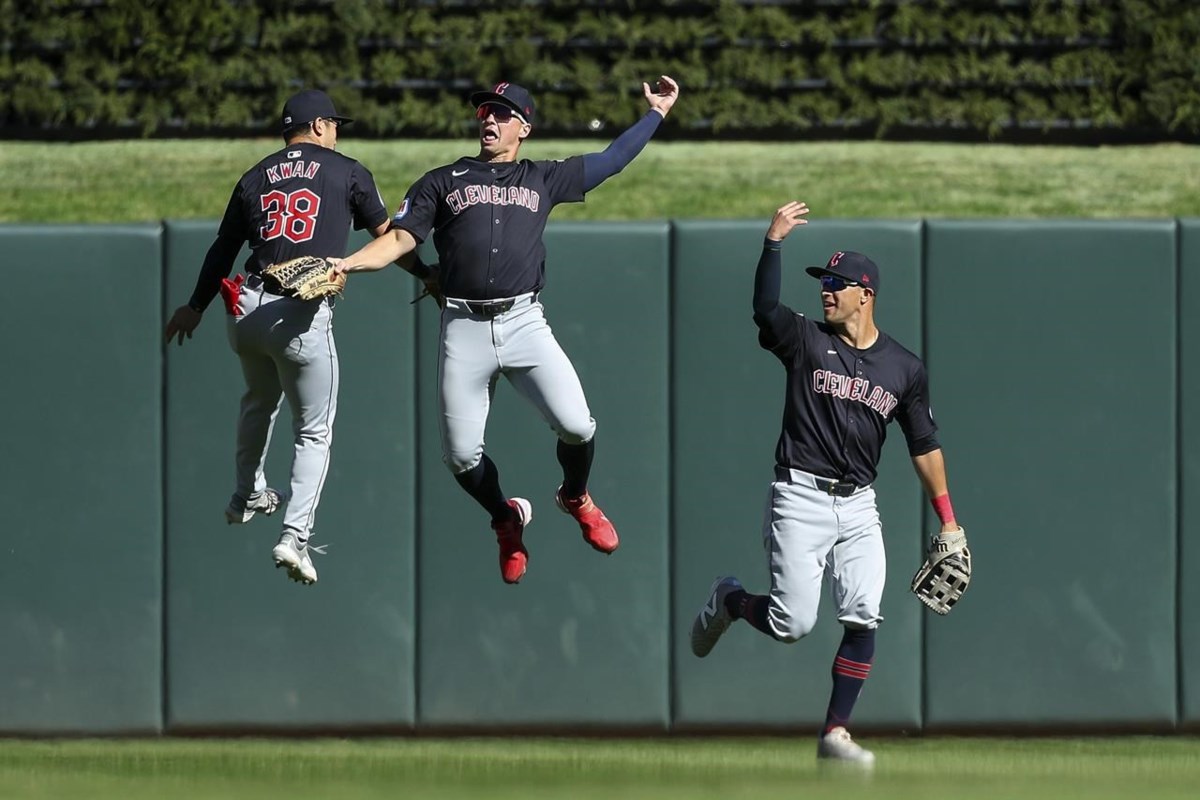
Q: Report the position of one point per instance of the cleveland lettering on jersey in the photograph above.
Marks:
(487, 224)
(845, 387)
(461, 199)
(835, 420)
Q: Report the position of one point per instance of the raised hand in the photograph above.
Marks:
(665, 93)
(786, 218)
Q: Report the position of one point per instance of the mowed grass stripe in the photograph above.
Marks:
(144, 181)
(924, 768)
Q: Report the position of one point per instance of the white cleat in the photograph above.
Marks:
(288, 553)
(838, 746)
(714, 619)
(266, 502)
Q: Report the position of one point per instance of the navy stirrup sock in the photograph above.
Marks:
(851, 667)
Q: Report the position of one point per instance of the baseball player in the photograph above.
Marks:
(488, 214)
(300, 200)
(846, 380)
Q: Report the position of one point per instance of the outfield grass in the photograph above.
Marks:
(665, 769)
(131, 181)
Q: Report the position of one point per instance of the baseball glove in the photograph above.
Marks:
(307, 278)
(946, 573)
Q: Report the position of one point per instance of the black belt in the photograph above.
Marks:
(489, 308)
(826, 485)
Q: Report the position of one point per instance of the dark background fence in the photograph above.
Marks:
(1062, 358)
(1021, 70)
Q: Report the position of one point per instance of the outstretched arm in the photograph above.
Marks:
(377, 254)
(410, 262)
(599, 167)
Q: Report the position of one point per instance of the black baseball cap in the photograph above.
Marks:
(850, 266)
(515, 97)
(303, 108)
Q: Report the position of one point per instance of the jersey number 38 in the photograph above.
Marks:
(292, 215)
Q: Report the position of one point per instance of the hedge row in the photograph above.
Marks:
(174, 67)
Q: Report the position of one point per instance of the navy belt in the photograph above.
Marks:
(826, 485)
(492, 308)
(489, 308)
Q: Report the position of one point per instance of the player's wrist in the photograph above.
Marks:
(772, 244)
(944, 510)
(351, 264)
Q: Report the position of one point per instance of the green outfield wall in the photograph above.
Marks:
(1058, 399)
(127, 605)
(81, 561)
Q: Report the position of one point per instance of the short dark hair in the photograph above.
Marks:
(297, 130)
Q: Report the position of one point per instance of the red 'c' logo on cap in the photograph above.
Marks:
(500, 87)
(835, 258)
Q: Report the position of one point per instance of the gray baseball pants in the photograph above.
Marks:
(476, 349)
(287, 351)
(809, 534)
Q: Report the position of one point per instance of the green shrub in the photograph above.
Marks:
(748, 67)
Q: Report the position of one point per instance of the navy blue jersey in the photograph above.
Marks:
(840, 400)
(488, 220)
(301, 201)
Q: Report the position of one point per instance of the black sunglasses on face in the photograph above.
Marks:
(832, 283)
(502, 113)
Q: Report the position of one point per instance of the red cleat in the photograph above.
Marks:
(597, 530)
(513, 556)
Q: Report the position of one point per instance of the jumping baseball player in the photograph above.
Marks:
(488, 214)
(298, 201)
(846, 380)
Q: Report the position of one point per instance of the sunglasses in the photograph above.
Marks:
(502, 113)
(832, 283)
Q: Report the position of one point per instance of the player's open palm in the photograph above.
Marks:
(786, 218)
(665, 93)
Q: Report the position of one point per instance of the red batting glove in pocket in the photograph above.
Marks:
(231, 290)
